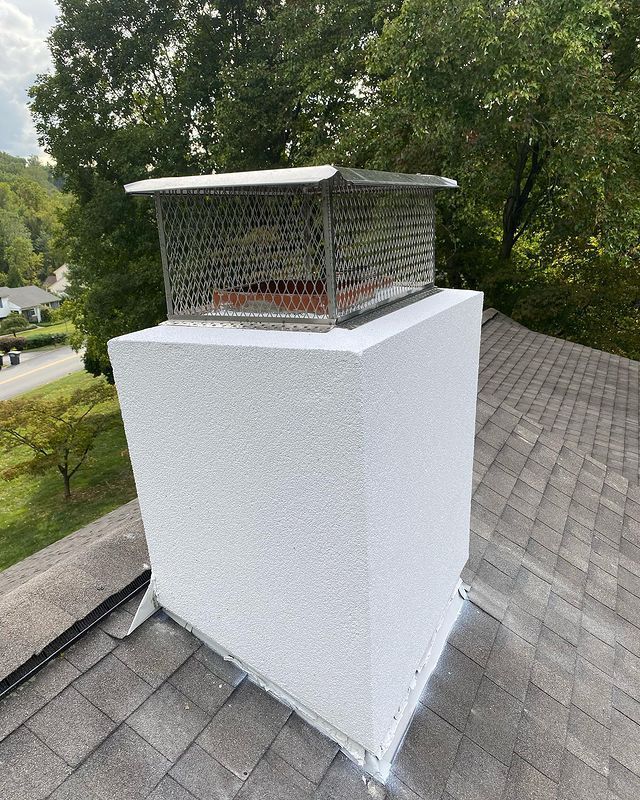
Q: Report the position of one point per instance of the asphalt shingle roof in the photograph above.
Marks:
(590, 398)
(536, 695)
(27, 296)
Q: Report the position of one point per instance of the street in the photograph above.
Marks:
(37, 368)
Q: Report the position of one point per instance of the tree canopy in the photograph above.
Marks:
(533, 106)
(31, 233)
(55, 431)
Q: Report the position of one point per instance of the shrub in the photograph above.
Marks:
(12, 343)
(44, 340)
(46, 314)
(13, 323)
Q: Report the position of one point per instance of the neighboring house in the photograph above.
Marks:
(26, 300)
(58, 282)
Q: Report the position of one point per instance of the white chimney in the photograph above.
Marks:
(301, 433)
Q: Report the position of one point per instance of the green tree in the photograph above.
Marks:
(23, 263)
(533, 106)
(31, 207)
(13, 323)
(57, 432)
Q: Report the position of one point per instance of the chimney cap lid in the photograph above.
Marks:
(288, 177)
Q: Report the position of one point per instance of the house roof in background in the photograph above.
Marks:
(536, 695)
(27, 296)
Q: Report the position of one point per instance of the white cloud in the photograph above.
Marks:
(24, 26)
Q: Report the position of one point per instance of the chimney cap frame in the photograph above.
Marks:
(309, 246)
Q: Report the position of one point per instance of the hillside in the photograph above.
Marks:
(32, 242)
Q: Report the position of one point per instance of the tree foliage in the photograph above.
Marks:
(55, 432)
(13, 323)
(533, 106)
(31, 232)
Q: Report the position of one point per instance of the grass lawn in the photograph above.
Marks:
(33, 512)
(58, 327)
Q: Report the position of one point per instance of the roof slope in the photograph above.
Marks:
(590, 398)
(27, 296)
(536, 695)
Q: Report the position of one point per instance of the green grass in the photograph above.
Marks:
(58, 327)
(33, 512)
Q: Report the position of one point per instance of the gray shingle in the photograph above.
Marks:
(345, 781)
(628, 636)
(569, 582)
(124, 766)
(56, 677)
(542, 732)
(304, 748)
(592, 691)
(71, 726)
(156, 649)
(28, 769)
(200, 685)
(221, 667)
(204, 777)
(623, 784)
(493, 722)
(596, 651)
(510, 663)
(476, 775)
(18, 706)
(274, 779)
(580, 782)
(169, 721)
(601, 585)
(503, 554)
(474, 633)
(427, 755)
(554, 666)
(588, 740)
(396, 790)
(531, 593)
(117, 623)
(628, 605)
(491, 590)
(522, 623)
(625, 741)
(452, 687)
(113, 688)
(563, 618)
(168, 789)
(243, 729)
(626, 705)
(89, 649)
(525, 782)
(626, 672)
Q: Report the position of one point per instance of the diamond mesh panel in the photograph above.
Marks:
(259, 254)
(245, 254)
(383, 245)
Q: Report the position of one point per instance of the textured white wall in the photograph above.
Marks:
(306, 495)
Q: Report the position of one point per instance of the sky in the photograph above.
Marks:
(24, 26)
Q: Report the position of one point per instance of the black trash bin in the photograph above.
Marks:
(14, 357)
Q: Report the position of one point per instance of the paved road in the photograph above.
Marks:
(36, 368)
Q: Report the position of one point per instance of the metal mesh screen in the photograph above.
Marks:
(383, 245)
(262, 254)
(245, 254)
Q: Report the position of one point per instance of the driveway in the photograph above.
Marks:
(36, 368)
